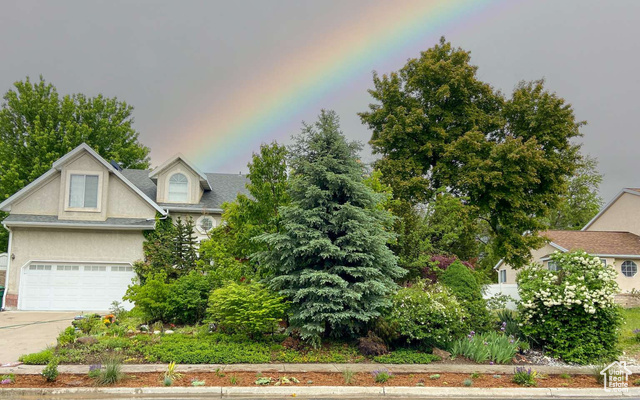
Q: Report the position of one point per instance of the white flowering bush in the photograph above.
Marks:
(428, 315)
(571, 312)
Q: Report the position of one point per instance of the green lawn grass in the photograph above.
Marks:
(627, 341)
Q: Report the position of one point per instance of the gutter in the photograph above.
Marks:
(78, 226)
(6, 277)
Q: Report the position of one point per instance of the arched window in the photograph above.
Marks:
(629, 268)
(178, 188)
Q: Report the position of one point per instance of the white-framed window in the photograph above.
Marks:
(205, 224)
(68, 268)
(629, 268)
(83, 191)
(178, 188)
(39, 267)
(92, 268)
(553, 266)
(502, 276)
(121, 268)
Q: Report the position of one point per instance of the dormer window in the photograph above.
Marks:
(83, 191)
(178, 188)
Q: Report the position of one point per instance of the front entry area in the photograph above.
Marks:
(73, 286)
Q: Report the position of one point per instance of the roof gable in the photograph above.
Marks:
(204, 181)
(57, 167)
(595, 242)
(632, 191)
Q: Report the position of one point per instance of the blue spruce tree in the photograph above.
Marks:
(331, 258)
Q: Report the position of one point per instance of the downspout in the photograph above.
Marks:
(6, 278)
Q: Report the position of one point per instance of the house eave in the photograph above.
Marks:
(78, 226)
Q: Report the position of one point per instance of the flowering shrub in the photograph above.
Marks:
(427, 313)
(493, 346)
(571, 312)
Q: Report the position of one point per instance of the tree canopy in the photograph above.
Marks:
(436, 125)
(38, 126)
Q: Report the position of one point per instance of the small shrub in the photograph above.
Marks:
(40, 358)
(565, 376)
(50, 372)
(497, 376)
(286, 380)
(525, 377)
(112, 371)
(434, 376)
(166, 381)
(246, 308)
(172, 374)
(94, 371)
(197, 382)
(381, 376)
(233, 380)
(348, 375)
(88, 324)
(429, 314)
(468, 382)
(636, 382)
(464, 285)
(372, 345)
(68, 336)
(263, 381)
(475, 375)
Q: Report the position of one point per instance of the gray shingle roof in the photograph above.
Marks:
(53, 219)
(224, 188)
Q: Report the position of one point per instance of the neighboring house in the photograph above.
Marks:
(75, 232)
(612, 235)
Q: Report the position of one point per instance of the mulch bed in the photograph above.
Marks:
(305, 378)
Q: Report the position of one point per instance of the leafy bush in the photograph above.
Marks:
(68, 336)
(490, 346)
(39, 358)
(88, 324)
(464, 285)
(151, 297)
(50, 372)
(508, 323)
(246, 308)
(188, 297)
(406, 356)
(439, 263)
(427, 313)
(372, 345)
(525, 377)
(571, 312)
(467, 382)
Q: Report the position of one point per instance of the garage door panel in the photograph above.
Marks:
(67, 287)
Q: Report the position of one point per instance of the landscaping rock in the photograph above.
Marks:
(168, 332)
(75, 383)
(445, 355)
(87, 340)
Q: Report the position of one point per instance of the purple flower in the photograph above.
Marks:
(94, 367)
(636, 331)
(490, 362)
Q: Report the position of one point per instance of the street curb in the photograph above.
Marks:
(321, 391)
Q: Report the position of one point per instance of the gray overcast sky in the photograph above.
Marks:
(178, 62)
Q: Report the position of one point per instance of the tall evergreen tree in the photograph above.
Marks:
(331, 258)
(186, 246)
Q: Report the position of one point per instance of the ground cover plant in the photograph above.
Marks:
(489, 346)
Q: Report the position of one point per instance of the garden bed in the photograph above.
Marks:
(307, 379)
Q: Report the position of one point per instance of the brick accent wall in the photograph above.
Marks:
(628, 301)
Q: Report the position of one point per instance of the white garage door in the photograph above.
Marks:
(73, 287)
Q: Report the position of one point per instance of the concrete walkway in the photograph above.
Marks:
(23, 332)
(282, 368)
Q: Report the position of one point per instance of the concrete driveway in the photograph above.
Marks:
(23, 332)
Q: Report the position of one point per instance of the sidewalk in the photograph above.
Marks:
(396, 368)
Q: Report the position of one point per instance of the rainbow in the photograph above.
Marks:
(260, 108)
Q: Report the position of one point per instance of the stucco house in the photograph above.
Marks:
(75, 232)
(613, 235)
